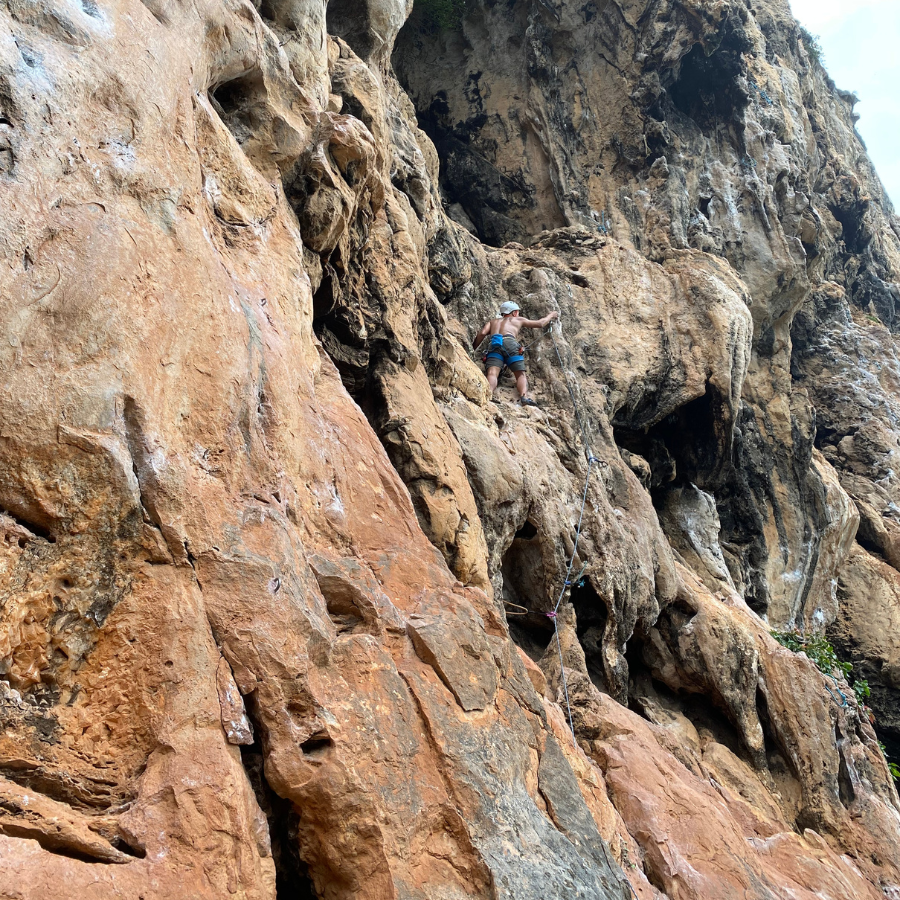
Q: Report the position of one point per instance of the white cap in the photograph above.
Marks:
(508, 307)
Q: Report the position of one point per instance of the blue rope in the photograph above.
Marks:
(845, 703)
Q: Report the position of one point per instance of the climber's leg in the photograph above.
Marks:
(522, 384)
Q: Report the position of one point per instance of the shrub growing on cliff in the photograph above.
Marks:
(812, 44)
(892, 766)
(820, 652)
(817, 649)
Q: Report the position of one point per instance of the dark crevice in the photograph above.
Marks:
(526, 532)
(136, 441)
(350, 20)
(592, 615)
(855, 234)
(707, 88)
(241, 103)
(525, 594)
(869, 544)
(347, 609)
(532, 632)
(269, 11)
(689, 446)
(845, 782)
(28, 523)
(883, 700)
(661, 690)
(316, 746)
(499, 203)
(292, 881)
(778, 760)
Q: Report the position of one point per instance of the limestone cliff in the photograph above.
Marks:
(275, 571)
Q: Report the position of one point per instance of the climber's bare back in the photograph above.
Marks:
(512, 325)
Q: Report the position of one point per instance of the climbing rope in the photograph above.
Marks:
(554, 616)
(845, 703)
(518, 611)
(567, 583)
(569, 580)
(587, 444)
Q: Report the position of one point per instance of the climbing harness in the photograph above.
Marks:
(498, 355)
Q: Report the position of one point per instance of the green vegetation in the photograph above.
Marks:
(443, 14)
(820, 652)
(816, 648)
(894, 768)
(813, 46)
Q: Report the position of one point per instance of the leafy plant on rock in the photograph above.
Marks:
(817, 649)
(813, 45)
(823, 655)
(892, 766)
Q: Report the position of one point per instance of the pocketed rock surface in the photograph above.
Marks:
(275, 571)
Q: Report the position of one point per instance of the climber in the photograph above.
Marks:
(505, 349)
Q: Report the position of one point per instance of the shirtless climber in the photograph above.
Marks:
(505, 349)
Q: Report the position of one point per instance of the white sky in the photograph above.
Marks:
(861, 43)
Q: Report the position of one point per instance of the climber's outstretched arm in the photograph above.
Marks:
(539, 323)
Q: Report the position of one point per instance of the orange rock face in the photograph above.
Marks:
(275, 573)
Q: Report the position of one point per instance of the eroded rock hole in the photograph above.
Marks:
(525, 593)
(691, 445)
(292, 881)
(270, 9)
(856, 235)
(241, 104)
(316, 746)
(673, 698)
(707, 88)
(591, 614)
(29, 522)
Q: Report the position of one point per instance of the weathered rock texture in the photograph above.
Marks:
(275, 573)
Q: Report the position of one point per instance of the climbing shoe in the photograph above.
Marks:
(527, 401)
